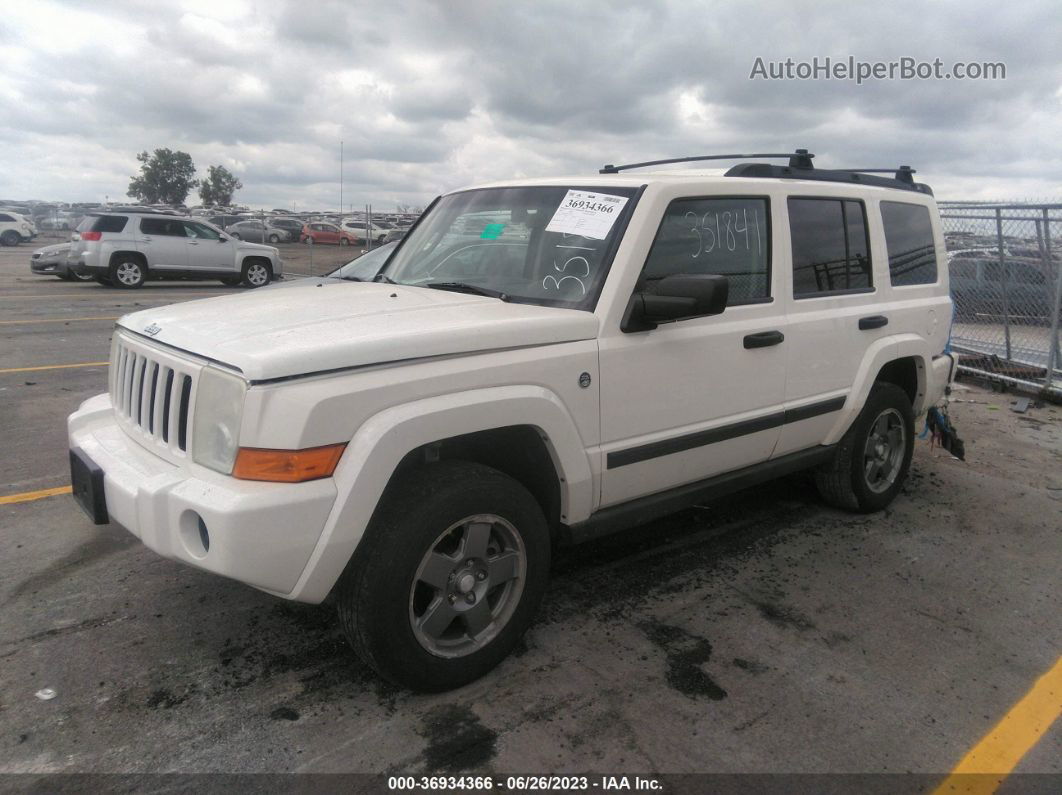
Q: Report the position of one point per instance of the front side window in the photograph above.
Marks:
(831, 252)
(909, 239)
(201, 231)
(5, 218)
(166, 227)
(548, 245)
(721, 236)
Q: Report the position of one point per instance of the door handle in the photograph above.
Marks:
(763, 339)
(874, 321)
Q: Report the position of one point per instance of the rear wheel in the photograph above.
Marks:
(10, 238)
(344, 242)
(874, 456)
(448, 577)
(80, 277)
(128, 273)
(256, 273)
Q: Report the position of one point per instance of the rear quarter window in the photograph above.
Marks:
(109, 223)
(909, 240)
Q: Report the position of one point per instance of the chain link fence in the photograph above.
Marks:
(1005, 264)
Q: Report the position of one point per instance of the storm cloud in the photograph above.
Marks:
(431, 96)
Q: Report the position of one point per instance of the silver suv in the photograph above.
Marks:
(125, 249)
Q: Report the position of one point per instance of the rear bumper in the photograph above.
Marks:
(261, 534)
(941, 374)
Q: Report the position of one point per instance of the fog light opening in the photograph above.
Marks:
(194, 534)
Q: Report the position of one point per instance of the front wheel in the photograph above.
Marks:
(10, 238)
(874, 456)
(256, 273)
(448, 577)
(344, 242)
(274, 238)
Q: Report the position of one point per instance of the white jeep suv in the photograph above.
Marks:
(125, 249)
(539, 362)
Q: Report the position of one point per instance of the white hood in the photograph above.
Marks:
(316, 325)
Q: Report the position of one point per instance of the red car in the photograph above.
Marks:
(320, 232)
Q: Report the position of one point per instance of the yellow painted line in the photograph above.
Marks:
(54, 320)
(983, 769)
(30, 496)
(53, 367)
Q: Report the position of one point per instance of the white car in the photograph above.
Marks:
(601, 352)
(125, 249)
(14, 228)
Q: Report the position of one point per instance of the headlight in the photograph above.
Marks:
(218, 413)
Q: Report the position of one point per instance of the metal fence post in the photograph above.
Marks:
(1056, 305)
(1003, 280)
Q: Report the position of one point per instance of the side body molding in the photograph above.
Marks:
(385, 438)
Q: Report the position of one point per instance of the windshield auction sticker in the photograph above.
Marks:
(586, 214)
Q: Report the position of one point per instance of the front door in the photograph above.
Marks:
(697, 397)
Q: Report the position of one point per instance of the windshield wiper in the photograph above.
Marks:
(351, 278)
(383, 277)
(464, 287)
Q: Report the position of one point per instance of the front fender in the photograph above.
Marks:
(385, 438)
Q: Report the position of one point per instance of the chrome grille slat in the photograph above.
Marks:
(153, 392)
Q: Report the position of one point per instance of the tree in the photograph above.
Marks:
(165, 176)
(219, 186)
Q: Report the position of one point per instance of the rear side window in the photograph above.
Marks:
(109, 223)
(909, 239)
(831, 253)
(722, 236)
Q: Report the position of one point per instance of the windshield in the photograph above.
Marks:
(366, 266)
(543, 245)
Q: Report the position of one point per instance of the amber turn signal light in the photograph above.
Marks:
(287, 466)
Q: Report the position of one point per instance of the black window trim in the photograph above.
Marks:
(769, 299)
(873, 288)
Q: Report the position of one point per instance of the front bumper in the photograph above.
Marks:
(261, 534)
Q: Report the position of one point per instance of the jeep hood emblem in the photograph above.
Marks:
(152, 330)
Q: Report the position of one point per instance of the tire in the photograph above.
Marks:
(427, 519)
(874, 456)
(80, 277)
(231, 281)
(235, 236)
(309, 239)
(10, 238)
(344, 242)
(256, 273)
(127, 272)
(274, 238)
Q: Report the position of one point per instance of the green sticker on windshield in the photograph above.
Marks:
(492, 231)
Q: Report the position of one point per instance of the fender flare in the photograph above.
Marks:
(383, 440)
(879, 354)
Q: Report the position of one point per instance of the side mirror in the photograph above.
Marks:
(682, 295)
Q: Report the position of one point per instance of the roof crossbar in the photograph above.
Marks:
(801, 158)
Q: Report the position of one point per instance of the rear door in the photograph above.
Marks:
(833, 310)
(163, 241)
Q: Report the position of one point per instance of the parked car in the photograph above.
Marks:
(15, 228)
(54, 261)
(365, 267)
(364, 233)
(396, 234)
(978, 285)
(321, 232)
(416, 448)
(256, 231)
(224, 221)
(126, 249)
(292, 225)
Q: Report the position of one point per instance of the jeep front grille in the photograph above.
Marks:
(152, 394)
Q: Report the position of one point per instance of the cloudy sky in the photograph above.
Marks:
(429, 96)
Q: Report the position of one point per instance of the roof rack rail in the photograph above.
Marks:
(799, 167)
(798, 159)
